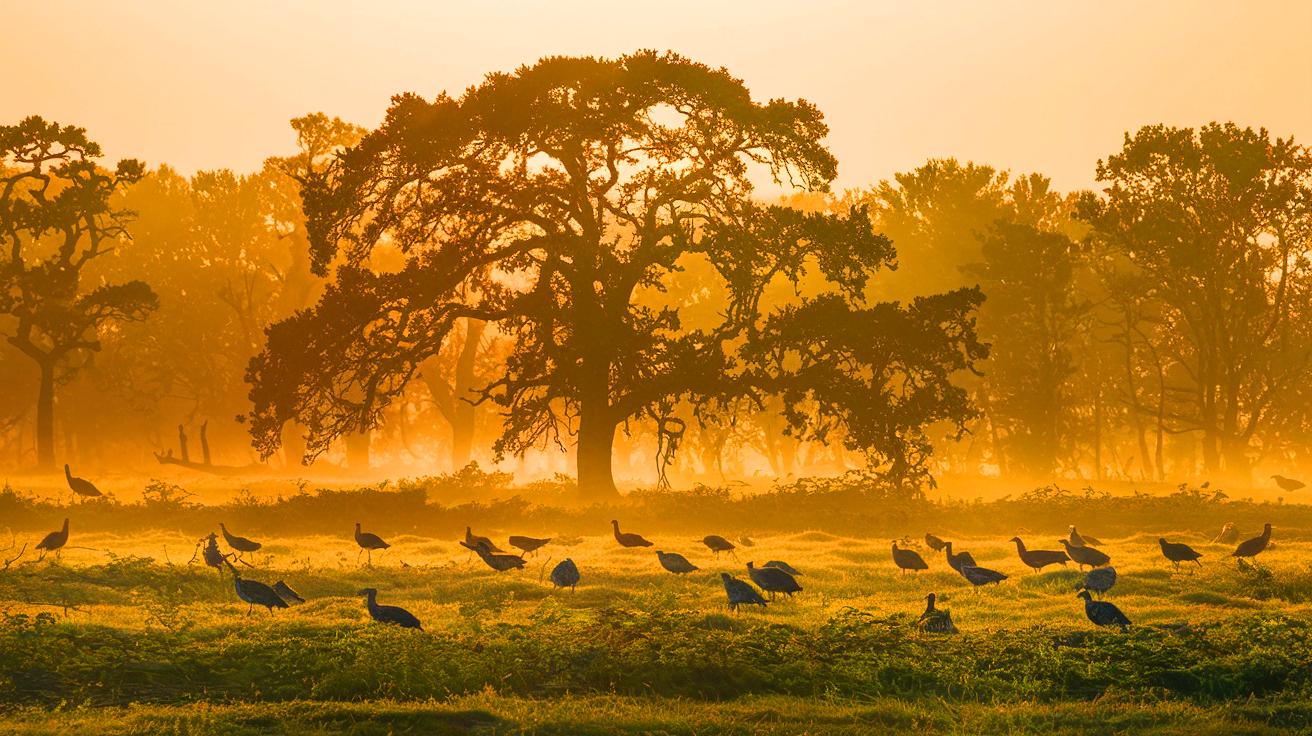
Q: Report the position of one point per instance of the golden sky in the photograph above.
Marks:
(1042, 85)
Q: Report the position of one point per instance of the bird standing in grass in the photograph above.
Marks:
(529, 545)
(1077, 540)
(1039, 558)
(783, 566)
(936, 620)
(1178, 552)
(211, 554)
(473, 540)
(286, 593)
(368, 543)
(242, 545)
(1253, 547)
(908, 559)
(1228, 534)
(934, 542)
(627, 539)
(53, 542)
(255, 593)
(740, 593)
(978, 576)
(958, 560)
(717, 544)
(565, 574)
(498, 562)
(388, 614)
(1099, 580)
(1288, 484)
(1103, 613)
(81, 486)
(1086, 555)
(773, 580)
(675, 563)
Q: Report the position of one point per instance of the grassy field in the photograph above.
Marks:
(126, 633)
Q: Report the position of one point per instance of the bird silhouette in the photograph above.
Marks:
(498, 562)
(958, 560)
(368, 543)
(286, 593)
(978, 576)
(740, 593)
(783, 566)
(255, 593)
(934, 542)
(241, 544)
(1178, 552)
(388, 614)
(1039, 558)
(211, 554)
(908, 559)
(81, 486)
(1253, 547)
(936, 620)
(1085, 555)
(718, 544)
(773, 580)
(1288, 484)
(627, 539)
(1229, 534)
(529, 545)
(473, 540)
(1103, 613)
(1099, 580)
(675, 563)
(1078, 540)
(53, 542)
(565, 574)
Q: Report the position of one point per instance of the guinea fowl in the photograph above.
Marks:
(908, 559)
(978, 576)
(368, 543)
(934, 542)
(241, 544)
(1288, 484)
(740, 593)
(1178, 552)
(1252, 547)
(1228, 535)
(255, 593)
(773, 580)
(528, 544)
(473, 540)
(1086, 555)
(498, 562)
(1103, 613)
(81, 486)
(388, 614)
(1039, 558)
(628, 539)
(675, 562)
(286, 593)
(783, 566)
(1099, 580)
(959, 560)
(53, 542)
(718, 544)
(936, 620)
(1078, 540)
(211, 554)
(565, 574)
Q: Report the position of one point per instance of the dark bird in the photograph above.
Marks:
(528, 544)
(81, 486)
(1228, 535)
(934, 542)
(1288, 484)
(211, 554)
(718, 544)
(959, 560)
(241, 544)
(255, 593)
(54, 541)
(1178, 552)
(498, 562)
(286, 593)
(1039, 558)
(1252, 547)
(1103, 613)
(908, 559)
(628, 539)
(675, 562)
(783, 566)
(740, 593)
(978, 576)
(565, 574)
(746, 541)
(473, 540)
(936, 620)
(773, 580)
(388, 614)
(1086, 555)
(1077, 540)
(1099, 580)
(368, 543)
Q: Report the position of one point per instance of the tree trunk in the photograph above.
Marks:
(596, 441)
(45, 418)
(464, 416)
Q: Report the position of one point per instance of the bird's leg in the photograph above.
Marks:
(357, 556)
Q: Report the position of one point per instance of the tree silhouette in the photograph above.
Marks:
(55, 217)
(556, 202)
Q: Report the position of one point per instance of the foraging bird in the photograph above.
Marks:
(54, 542)
(1178, 552)
(473, 540)
(255, 593)
(211, 554)
(783, 566)
(81, 486)
(718, 544)
(675, 562)
(1086, 555)
(978, 576)
(740, 593)
(1229, 534)
(498, 562)
(773, 580)
(1288, 484)
(1252, 547)
(286, 593)
(628, 539)
(368, 543)
(1099, 580)
(528, 544)
(746, 541)
(934, 542)
(959, 560)
(241, 544)
(936, 620)
(1039, 558)
(388, 614)
(1077, 540)
(1103, 613)
(908, 559)
(565, 574)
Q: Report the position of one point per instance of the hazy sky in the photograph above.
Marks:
(1047, 86)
